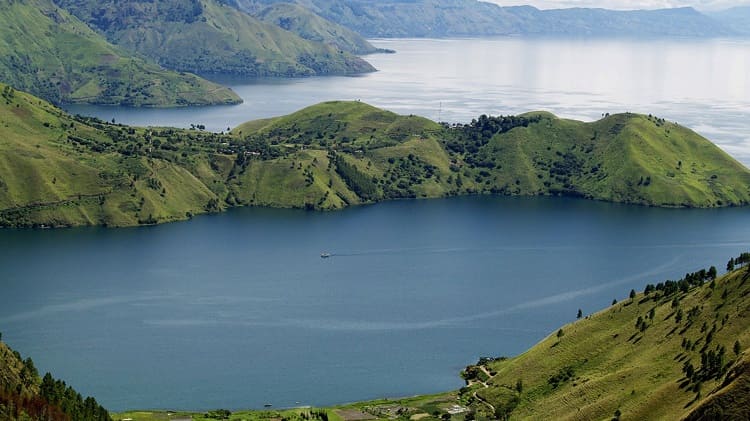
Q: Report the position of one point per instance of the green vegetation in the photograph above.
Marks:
(667, 353)
(207, 37)
(24, 396)
(46, 51)
(427, 408)
(61, 170)
(308, 25)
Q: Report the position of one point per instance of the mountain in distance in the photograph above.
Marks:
(63, 170)
(452, 18)
(308, 25)
(45, 50)
(208, 37)
(736, 19)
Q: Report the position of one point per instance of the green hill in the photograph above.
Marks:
(45, 50)
(679, 348)
(461, 18)
(308, 25)
(61, 170)
(25, 396)
(207, 37)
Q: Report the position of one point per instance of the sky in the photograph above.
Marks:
(707, 5)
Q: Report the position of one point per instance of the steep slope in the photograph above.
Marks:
(441, 18)
(25, 396)
(207, 37)
(677, 350)
(60, 170)
(308, 25)
(46, 51)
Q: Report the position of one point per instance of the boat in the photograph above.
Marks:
(325, 255)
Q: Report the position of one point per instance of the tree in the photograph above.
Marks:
(580, 314)
(614, 301)
(560, 334)
(632, 294)
(519, 386)
(730, 265)
(712, 272)
(737, 347)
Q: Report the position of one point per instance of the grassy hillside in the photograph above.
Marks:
(308, 25)
(45, 50)
(25, 396)
(627, 158)
(60, 170)
(208, 37)
(675, 349)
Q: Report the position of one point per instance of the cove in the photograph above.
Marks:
(238, 310)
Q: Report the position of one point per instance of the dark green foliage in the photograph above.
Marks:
(57, 393)
(580, 314)
(470, 137)
(562, 376)
(359, 182)
(503, 411)
(218, 414)
(737, 347)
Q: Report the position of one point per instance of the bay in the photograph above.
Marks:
(703, 84)
(238, 310)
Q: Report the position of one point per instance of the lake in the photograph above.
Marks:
(239, 310)
(703, 84)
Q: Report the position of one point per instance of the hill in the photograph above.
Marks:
(208, 37)
(308, 25)
(736, 19)
(26, 396)
(45, 50)
(62, 170)
(440, 18)
(679, 349)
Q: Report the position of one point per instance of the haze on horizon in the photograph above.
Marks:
(704, 5)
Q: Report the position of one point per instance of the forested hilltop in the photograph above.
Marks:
(45, 50)
(209, 37)
(61, 170)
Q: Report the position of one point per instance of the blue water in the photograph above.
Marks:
(703, 84)
(238, 310)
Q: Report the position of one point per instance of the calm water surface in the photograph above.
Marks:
(704, 84)
(238, 310)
